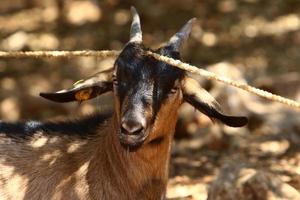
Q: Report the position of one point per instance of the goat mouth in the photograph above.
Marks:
(132, 141)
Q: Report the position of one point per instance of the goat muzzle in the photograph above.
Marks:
(132, 133)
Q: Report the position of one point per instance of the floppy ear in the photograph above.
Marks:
(84, 89)
(205, 103)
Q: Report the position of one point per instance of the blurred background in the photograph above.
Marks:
(253, 41)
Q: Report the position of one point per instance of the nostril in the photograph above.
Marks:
(138, 130)
(131, 127)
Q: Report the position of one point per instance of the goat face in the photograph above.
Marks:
(147, 92)
(143, 86)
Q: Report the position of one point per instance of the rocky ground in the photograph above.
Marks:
(253, 41)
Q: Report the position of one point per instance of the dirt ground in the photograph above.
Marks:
(254, 41)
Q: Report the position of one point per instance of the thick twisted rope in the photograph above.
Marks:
(213, 76)
(171, 61)
(52, 54)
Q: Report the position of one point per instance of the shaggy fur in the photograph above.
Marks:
(125, 157)
(57, 166)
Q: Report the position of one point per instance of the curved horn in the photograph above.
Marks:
(180, 37)
(135, 30)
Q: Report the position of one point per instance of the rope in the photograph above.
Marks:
(50, 54)
(213, 76)
(170, 61)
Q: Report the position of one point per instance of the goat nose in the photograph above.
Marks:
(131, 127)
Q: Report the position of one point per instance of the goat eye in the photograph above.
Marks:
(174, 90)
(115, 81)
(120, 84)
(175, 87)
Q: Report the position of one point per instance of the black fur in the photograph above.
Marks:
(83, 127)
(143, 79)
(69, 95)
(214, 111)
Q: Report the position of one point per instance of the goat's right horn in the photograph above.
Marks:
(181, 36)
(135, 30)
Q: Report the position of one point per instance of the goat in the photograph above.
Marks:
(125, 156)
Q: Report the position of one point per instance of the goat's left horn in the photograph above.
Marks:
(180, 37)
(135, 30)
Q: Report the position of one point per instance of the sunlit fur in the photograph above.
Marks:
(56, 166)
(49, 161)
(89, 158)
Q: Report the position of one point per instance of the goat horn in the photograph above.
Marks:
(180, 37)
(135, 30)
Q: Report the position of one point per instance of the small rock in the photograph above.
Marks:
(242, 182)
(275, 148)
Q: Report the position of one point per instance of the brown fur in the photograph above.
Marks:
(99, 167)
(52, 167)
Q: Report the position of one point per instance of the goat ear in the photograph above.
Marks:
(205, 103)
(84, 89)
